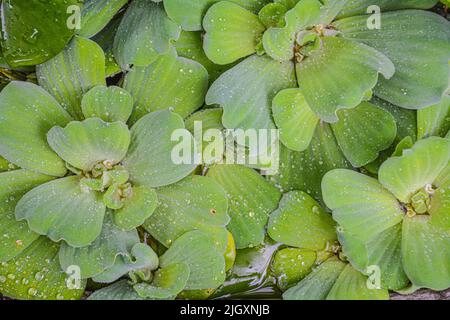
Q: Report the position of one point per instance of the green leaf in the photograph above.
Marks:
(424, 38)
(144, 34)
(85, 144)
(290, 265)
(27, 112)
(416, 168)
(35, 31)
(357, 7)
(107, 103)
(339, 75)
(318, 283)
(272, 14)
(426, 252)
(279, 42)
(363, 132)
(136, 209)
(120, 290)
(294, 118)
(245, 92)
(383, 251)
(72, 73)
(251, 200)
(105, 39)
(141, 261)
(189, 13)
(190, 45)
(304, 170)
(149, 159)
(440, 207)
(170, 82)
(61, 210)
(195, 203)
(197, 250)
(300, 222)
(434, 120)
(35, 274)
(16, 236)
(102, 253)
(352, 285)
(167, 282)
(232, 32)
(360, 204)
(96, 14)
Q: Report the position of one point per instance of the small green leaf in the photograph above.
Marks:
(61, 210)
(190, 45)
(140, 262)
(363, 132)
(35, 31)
(120, 290)
(189, 13)
(300, 222)
(96, 14)
(16, 234)
(339, 74)
(421, 79)
(197, 250)
(167, 282)
(434, 120)
(426, 252)
(90, 142)
(440, 207)
(352, 285)
(294, 118)
(195, 203)
(102, 253)
(416, 168)
(304, 170)
(149, 159)
(72, 73)
(170, 82)
(318, 283)
(35, 274)
(27, 112)
(245, 92)
(232, 32)
(251, 200)
(107, 103)
(137, 208)
(290, 265)
(360, 203)
(144, 33)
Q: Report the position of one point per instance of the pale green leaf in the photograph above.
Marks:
(144, 33)
(300, 222)
(72, 73)
(107, 103)
(416, 168)
(245, 92)
(251, 200)
(339, 75)
(197, 250)
(35, 274)
(232, 32)
(171, 82)
(27, 113)
(294, 118)
(150, 159)
(61, 210)
(195, 203)
(16, 236)
(360, 204)
(418, 43)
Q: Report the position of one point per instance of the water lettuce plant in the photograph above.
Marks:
(355, 205)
